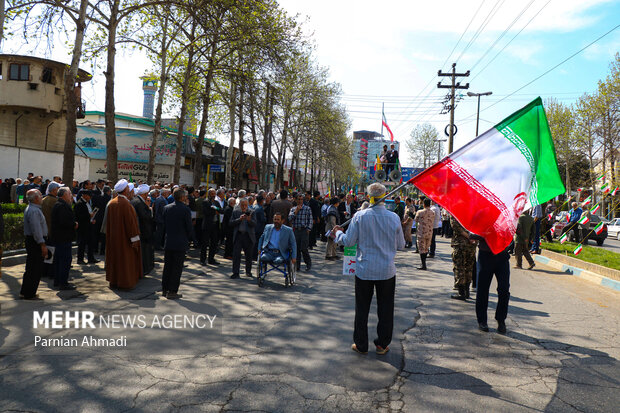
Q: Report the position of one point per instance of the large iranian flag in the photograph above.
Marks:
(487, 183)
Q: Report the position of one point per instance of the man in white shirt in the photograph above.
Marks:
(436, 228)
(378, 234)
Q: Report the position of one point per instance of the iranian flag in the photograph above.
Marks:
(615, 191)
(563, 238)
(578, 249)
(487, 183)
(584, 219)
(587, 200)
(605, 188)
(595, 208)
(598, 228)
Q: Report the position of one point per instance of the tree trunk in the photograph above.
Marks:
(239, 177)
(1, 22)
(184, 104)
(257, 162)
(264, 177)
(163, 77)
(68, 162)
(231, 146)
(110, 124)
(206, 102)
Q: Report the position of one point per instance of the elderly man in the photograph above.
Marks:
(300, 219)
(211, 212)
(123, 263)
(46, 206)
(35, 230)
(243, 223)
(282, 205)
(158, 212)
(142, 205)
(179, 232)
(378, 234)
(85, 217)
(62, 235)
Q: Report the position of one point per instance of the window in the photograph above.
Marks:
(47, 76)
(19, 71)
(0, 71)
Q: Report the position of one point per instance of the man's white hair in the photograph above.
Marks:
(376, 190)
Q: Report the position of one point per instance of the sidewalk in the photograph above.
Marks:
(288, 349)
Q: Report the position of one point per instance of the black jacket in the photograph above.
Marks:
(145, 219)
(210, 216)
(63, 223)
(342, 208)
(228, 211)
(235, 222)
(177, 226)
(315, 206)
(83, 218)
(100, 201)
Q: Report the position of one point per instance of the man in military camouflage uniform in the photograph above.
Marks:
(463, 257)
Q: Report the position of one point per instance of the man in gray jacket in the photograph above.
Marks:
(35, 230)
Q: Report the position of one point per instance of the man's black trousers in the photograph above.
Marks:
(490, 264)
(364, 290)
(173, 267)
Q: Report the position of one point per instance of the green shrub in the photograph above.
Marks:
(13, 231)
(13, 208)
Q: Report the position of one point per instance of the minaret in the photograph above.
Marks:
(149, 86)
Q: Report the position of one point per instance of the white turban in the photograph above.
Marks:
(143, 189)
(120, 186)
(131, 186)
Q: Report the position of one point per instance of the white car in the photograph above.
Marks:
(613, 229)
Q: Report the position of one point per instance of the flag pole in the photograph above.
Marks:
(382, 116)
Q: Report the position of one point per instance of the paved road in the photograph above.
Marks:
(288, 350)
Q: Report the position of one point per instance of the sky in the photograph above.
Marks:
(389, 53)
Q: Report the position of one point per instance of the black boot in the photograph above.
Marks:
(461, 295)
(467, 290)
(423, 258)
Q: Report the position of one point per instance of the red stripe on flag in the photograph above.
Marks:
(454, 189)
(384, 122)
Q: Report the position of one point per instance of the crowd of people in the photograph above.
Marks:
(126, 224)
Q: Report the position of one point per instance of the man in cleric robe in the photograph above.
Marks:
(123, 256)
(145, 222)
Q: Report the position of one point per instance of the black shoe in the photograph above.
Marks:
(422, 268)
(248, 274)
(67, 287)
(213, 262)
(32, 297)
(234, 276)
(483, 327)
(93, 261)
(174, 296)
(308, 267)
(81, 262)
(164, 293)
(431, 255)
(501, 327)
(459, 296)
(203, 263)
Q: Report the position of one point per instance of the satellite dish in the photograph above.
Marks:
(395, 175)
(380, 175)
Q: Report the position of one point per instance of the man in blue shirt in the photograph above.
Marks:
(378, 234)
(277, 243)
(575, 215)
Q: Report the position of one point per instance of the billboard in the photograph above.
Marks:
(133, 145)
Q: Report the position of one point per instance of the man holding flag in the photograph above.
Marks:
(573, 223)
(488, 183)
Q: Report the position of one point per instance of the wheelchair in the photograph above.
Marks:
(286, 268)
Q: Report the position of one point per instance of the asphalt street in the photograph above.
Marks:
(280, 349)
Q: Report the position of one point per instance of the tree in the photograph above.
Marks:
(423, 145)
(567, 143)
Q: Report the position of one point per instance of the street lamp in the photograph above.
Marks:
(478, 113)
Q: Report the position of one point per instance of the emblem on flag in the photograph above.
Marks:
(595, 208)
(578, 249)
(563, 238)
(584, 220)
(598, 228)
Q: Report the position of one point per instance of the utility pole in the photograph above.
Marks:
(470, 94)
(439, 142)
(455, 85)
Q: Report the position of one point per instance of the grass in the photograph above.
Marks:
(595, 255)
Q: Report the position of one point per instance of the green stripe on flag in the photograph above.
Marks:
(528, 130)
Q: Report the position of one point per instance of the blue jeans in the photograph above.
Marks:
(272, 256)
(536, 238)
(490, 264)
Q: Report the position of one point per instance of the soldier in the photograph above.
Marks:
(463, 257)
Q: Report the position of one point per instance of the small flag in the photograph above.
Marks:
(587, 200)
(579, 189)
(601, 177)
(550, 216)
(578, 249)
(563, 238)
(598, 228)
(584, 220)
(384, 122)
(605, 188)
(615, 191)
(552, 230)
(567, 217)
(595, 208)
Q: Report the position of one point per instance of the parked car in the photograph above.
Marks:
(613, 229)
(586, 230)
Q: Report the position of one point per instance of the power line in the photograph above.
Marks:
(549, 70)
(482, 26)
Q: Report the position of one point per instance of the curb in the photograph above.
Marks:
(580, 273)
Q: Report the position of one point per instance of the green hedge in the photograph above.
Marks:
(13, 215)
